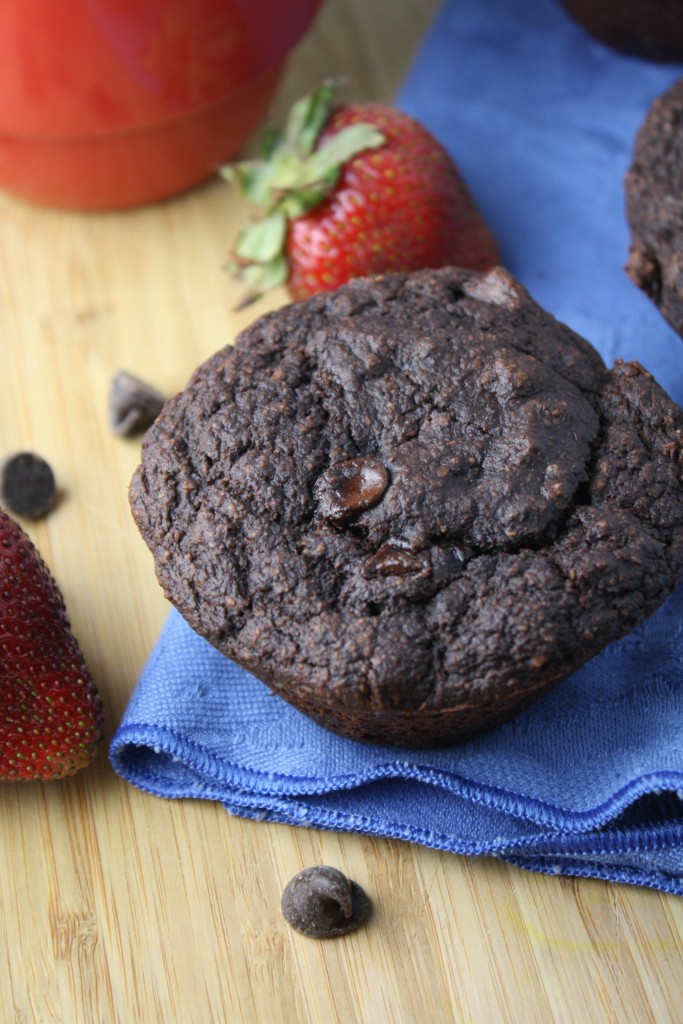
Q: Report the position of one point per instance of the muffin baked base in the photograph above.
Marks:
(413, 505)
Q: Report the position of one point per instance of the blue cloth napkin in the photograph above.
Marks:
(589, 781)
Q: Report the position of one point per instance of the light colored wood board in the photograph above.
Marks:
(120, 907)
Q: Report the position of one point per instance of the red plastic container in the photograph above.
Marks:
(112, 103)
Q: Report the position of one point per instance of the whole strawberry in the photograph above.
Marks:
(50, 711)
(363, 189)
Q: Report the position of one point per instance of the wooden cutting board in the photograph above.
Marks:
(120, 907)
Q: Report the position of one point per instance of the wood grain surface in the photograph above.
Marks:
(121, 907)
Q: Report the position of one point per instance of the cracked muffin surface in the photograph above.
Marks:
(413, 505)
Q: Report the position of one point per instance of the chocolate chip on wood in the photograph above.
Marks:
(27, 485)
(133, 404)
(322, 902)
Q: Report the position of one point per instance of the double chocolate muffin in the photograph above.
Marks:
(654, 206)
(413, 505)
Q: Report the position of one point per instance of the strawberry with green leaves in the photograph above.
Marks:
(347, 192)
(50, 711)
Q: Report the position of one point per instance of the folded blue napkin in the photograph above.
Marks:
(589, 781)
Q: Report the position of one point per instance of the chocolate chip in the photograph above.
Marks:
(324, 903)
(27, 485)
(348, 488)
(133, 404)
(393, 560)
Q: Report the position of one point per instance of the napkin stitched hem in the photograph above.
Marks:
(588, 869)
(211, 769)
(536, 853)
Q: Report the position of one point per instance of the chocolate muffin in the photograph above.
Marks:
(413, 505)
(651, 29)
(654, 206)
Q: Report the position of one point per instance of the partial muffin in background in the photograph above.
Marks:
(651, 29)
(654, 206)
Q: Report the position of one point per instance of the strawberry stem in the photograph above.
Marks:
(261, 242)
(308, 117)
(294, 176)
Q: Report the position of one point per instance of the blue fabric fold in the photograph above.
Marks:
(589, 781)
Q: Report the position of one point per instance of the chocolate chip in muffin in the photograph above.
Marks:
(349, 488)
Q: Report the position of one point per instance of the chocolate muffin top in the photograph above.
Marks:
(413, 505)
(654, 205)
